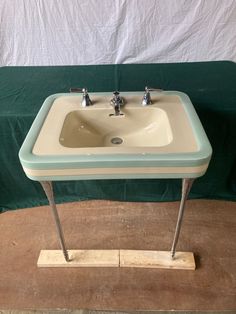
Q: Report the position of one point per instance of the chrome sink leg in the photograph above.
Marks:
(48, 189)
(186, 186)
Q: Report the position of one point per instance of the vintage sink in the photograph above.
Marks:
(161, 140)
(164, 139)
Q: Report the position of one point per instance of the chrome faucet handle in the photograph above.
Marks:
(86, 101)
(151, 89)
(76, 90)
(147, 96)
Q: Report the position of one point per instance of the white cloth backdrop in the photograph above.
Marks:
(68, 32)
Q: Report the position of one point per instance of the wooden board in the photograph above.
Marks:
(79, 258)
(156, 259)
(117, 258)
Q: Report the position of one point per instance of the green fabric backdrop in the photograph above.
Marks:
(210, 85)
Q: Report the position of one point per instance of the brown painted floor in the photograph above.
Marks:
(209, 230)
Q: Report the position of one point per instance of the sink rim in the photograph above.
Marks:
(39, 150)
(190, 159)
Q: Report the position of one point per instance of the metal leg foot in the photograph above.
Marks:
(48, 189)
(186, 187)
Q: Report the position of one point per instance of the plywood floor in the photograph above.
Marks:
(209, 230)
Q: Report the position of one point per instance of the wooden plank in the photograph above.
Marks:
(117, 258)
(79, 258)
(156, 259)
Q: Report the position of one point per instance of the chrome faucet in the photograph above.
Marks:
(147, 96)
(86, 101)
(116, 102)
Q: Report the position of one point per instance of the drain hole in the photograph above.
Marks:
(116, 140)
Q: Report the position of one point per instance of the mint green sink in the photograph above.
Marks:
(162, 140)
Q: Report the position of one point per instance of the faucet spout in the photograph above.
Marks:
(117, 102)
